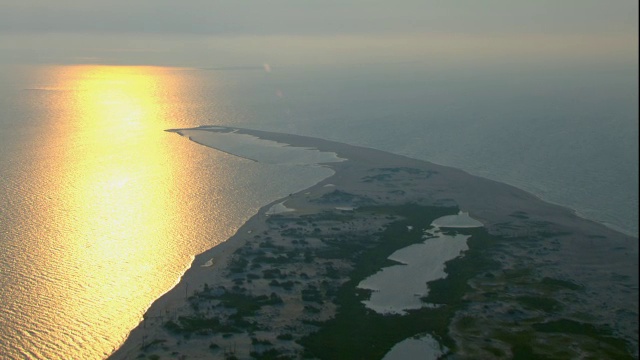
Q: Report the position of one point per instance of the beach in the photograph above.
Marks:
(290, 273)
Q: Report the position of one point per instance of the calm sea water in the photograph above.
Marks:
(101, 211)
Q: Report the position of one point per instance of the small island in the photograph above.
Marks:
(392, 256)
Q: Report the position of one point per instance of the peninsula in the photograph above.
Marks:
(479, 269)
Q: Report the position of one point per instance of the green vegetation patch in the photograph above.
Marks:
(357, 332)
(328, 216)
(238, 264)
(521, 344)
(545, 304)
(271, 354)
(342, 197)
(560, 284)
(191, 324)
(450, 290)
(247, 305)
(567, 326)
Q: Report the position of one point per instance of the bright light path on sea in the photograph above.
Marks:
(113, 207)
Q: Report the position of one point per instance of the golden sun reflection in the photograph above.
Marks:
(114, 189)
(116, 157)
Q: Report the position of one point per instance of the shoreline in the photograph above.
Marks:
(504, 210)
(268, 135)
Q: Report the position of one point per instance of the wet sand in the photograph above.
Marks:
(583, 252)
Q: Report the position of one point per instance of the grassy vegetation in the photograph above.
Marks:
(545, 304)
(243, 304)
(451, 290)
(549, 340)
(247, 305)
(357, 332)
(567, 326)
(198, 324)
(271, 354)
(555, 284)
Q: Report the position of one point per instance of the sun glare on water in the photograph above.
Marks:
(117, 167)
(115, 174)
(116, 159)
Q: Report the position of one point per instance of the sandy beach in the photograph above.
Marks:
(283, 264)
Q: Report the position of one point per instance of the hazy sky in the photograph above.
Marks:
(70, 30)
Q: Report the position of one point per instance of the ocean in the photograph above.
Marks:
(101, 210)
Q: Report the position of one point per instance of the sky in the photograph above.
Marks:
(197, 31)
